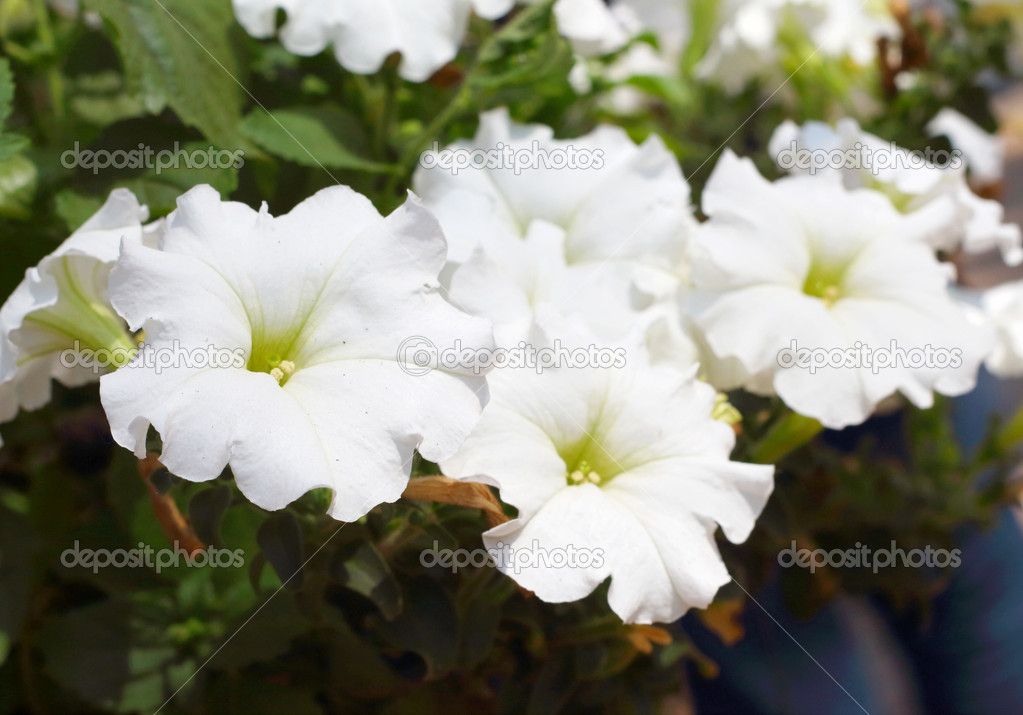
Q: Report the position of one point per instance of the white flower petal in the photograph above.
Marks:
(324, 297)
(63, 304)
(657, 483)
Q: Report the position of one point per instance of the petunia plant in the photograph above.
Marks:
(475, 355)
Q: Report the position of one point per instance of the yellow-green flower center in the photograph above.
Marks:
(587, 462)
(824, 282)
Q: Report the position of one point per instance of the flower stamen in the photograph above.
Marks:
(584, 474)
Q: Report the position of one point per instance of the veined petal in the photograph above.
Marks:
(313, 309)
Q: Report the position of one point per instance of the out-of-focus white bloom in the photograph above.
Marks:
(813, 290)
(8, 368)
(669, 21)
(71, 9)
(590, 25)
(562, 225)
(756, 35)
(427, 33)
(625, 474)
(984, 152)
(63, 303)
(317, 305)
(1002, 308)
(937, 198)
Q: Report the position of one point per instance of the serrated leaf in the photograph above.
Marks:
(178, 52)
(318, 137)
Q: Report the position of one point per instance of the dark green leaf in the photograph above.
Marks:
(177, 53)
(280, 538)
(320, 137)
(360, 567)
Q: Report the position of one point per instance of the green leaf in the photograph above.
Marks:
(75, 209)
(428, 625)
(177, 53)
(280, 538)
(102, 99)
(360, 567)
(6, 91)
(12, 145)
(314, 137)
(266, 636)
(86, 650)
(18, 547)
(206, 510)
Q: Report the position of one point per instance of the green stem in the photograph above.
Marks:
(787, 435)
(462, 98)
(54, 77)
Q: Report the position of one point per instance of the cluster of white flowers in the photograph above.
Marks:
(755, 35)
(427, 33)
(769, 40)
(827, 288)
(634, 460)
(937, 198)
(752, 38)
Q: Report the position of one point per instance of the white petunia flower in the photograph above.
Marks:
(937, 198)
(617, 473)
(1002, 308)
(566, 225)
(427, 33)
(312, 310)
(756, 36)
(63, 305)
(590, 25)
(669, 21)
(806, 269)
(984, 152)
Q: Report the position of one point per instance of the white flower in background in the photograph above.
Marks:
(590, 25)
(756, 36)
(63, 303)
(984, 152)
(669, 21)
(318, 302)
(626, 466)
(8, 367)
(531, 237)
(805, 262)
(427, 33)
(1002, 308)
(937, 198)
